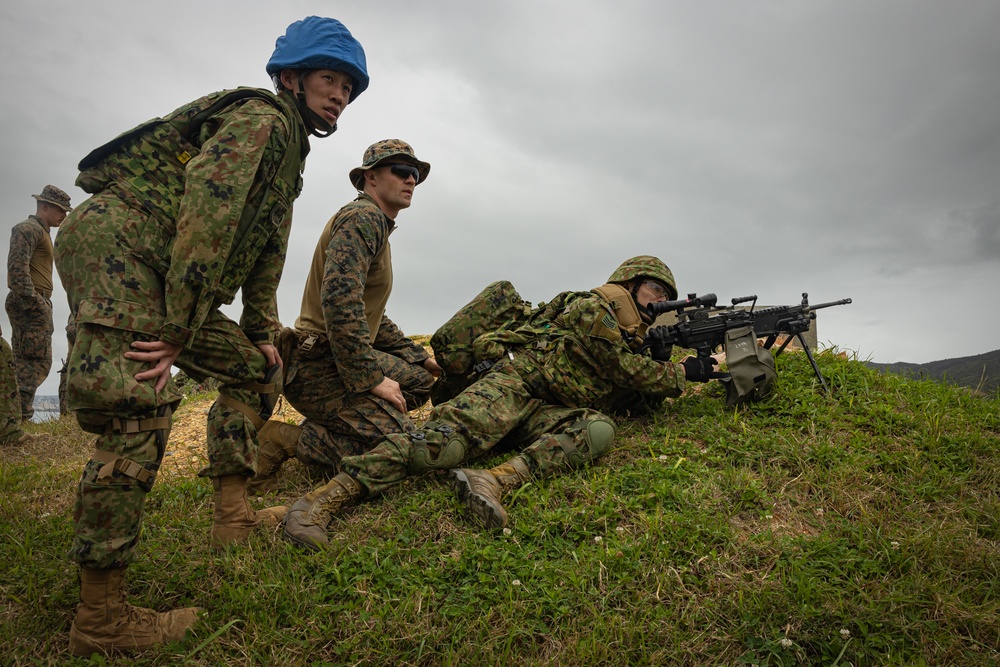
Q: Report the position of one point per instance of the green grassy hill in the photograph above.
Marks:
(856, 529)
(980, 372)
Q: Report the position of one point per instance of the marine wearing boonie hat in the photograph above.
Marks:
(53, 195)
(384, 151)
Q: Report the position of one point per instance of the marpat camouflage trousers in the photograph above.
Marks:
(10, 400)
(498, 407)
(339, 424)
(31, 341)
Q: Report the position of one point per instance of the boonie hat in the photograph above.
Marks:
(388, 150)
(53, 195)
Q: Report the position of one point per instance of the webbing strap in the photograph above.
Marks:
(568, 445)
(258, 387)
(118, 425)
(240, 406)
(113, 462)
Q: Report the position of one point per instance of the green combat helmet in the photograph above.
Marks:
(645, 266)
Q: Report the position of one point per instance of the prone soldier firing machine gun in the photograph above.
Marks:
(704, 326)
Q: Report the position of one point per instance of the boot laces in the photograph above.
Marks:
(327, 505)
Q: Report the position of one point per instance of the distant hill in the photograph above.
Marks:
(979, 372)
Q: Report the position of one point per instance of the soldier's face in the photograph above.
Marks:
(327, 91)
(392, 189)
(52, 215)
(650, 291)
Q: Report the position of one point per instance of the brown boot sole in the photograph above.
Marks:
(487, 514)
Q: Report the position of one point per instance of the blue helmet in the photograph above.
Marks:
(316, 42)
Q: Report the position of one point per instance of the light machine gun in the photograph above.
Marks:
(702, 325)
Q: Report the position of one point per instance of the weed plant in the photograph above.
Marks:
(859, 528)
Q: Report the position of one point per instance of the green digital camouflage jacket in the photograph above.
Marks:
(576, 342)
(211, 188)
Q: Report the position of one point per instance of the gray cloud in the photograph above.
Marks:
(837, 148)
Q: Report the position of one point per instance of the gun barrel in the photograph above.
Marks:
(842, 302)
(691, 302)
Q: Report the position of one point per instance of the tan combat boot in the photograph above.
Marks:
(278, 442)
(106, 623)
(481, 490)
(307, 520)
(234, 518)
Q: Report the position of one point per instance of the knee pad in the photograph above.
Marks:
(449, 445)
(598, 434)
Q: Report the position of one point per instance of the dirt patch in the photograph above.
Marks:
(186, 451)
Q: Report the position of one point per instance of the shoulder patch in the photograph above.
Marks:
(606, 327)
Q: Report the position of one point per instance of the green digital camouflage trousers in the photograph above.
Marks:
(500, 407)
(101, 386)
(339, 424)
(31, 341)
(10, 400)
(63, 397)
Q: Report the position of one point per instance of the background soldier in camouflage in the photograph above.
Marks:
(550, 382)
(29, 303)
(10, 400)
(352, 372)
(185, 211)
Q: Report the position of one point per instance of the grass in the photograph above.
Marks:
(861, 528)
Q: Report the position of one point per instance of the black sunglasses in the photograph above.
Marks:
(404, 171)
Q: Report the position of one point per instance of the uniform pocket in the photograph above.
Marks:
(34, 344)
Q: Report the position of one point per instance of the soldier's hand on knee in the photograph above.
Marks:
(388, 389)
(270, 353)
(431, 366)
(159, 353)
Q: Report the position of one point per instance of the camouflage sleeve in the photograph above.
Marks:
(350, 252)
(22, 245)
(391, 340)
(598, 329)
(259, 320)
(218, 182)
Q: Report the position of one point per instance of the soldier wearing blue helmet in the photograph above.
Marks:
(185, 212)
(318, 48)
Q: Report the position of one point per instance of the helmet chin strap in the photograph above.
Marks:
(318, 127)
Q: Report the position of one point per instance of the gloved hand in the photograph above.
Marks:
(698, 369)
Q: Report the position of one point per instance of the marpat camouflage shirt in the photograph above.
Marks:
(347, 291)
(29, 263)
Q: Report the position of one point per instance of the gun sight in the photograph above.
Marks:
(705, 300)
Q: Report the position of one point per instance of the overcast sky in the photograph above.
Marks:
(840, 148)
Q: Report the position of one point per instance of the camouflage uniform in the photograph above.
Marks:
(29, 306)
(10, 400)
(553, 379)
(70, 339)
(355, 346)
(185, 211)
